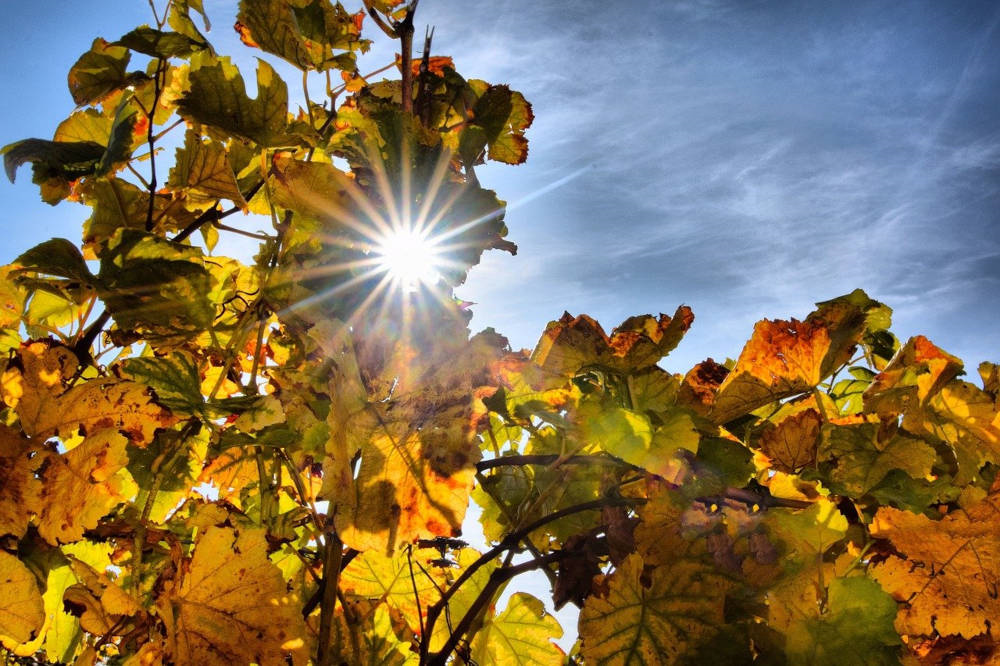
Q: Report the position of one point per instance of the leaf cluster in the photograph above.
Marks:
(216, 461)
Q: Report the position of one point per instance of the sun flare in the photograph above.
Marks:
(409, 258)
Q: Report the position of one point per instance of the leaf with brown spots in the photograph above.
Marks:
(916, 373)
(81, 486)
(47, 408)
(229, 605)
(946, 573)
(19, 487)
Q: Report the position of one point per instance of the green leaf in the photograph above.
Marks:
(217, 97)
(810, 531)
(174, 378)
(521, 634)
(58, 257)
(53, 159)
(160, 44)
(153, 285)
(304, 33)
(856, 628)
(861, 456)
(99, 72)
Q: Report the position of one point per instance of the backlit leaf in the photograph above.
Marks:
(230, 604)
(202, 172)
(862, 455)
(22, 611)
(782, 358)
(917, 372)
(521, 634)
(19, 486)
(652, 617)
(98, 72)
(791, 444)
(80, 486)
(218, 97)
(158, 43)
(303, 33)
(947, 573)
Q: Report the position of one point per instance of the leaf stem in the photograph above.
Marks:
(331, 576)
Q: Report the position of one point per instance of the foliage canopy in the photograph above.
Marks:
(206, 461)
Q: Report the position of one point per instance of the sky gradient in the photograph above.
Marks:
(745, 158)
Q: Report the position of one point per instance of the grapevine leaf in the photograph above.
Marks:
(916, 373)
(46, 408)
(791, 444)
(402, 497)
(700, 386)
(19, 487)
(303, 33)
(22, 611)
(58, 257)
(856, 626)
(387, 579)
(781, 359)
(862, 456)
(80, 486)
(218, 97)
(652, 616)
(153, 285)
(174, 378)
(53, 160)
(159, 44)
(98, 72)
(85, 125)
(947, 572)
(230, 604)
(810, 531)
(521, 634)
(203, 174)
(369, 639)
(12, 298)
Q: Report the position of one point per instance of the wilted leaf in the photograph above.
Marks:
(19, 487)
(230, 604)
(521, 634)
(22, 611)
(916, 373)
(653, 616)
(947, 573)
(47, 408)
(159, 44)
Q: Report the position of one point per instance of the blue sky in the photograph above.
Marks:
(744, 158)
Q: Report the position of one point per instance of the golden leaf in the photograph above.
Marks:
(918, 371)
(81, 486)
(947, 573)
(46, 408)
(652, 616)
(230, 605)
(19, 487)
(22, 611)
(782, 358)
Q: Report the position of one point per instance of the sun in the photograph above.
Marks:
(409, 258)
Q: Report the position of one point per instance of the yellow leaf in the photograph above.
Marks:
(46, 408)
(19, 487)
(521, 634)
(917, 371)
(230, 605)
(22, 611)
(947, 573)
(80, 486)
